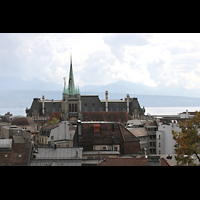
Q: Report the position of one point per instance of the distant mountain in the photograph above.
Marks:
(23, 98)
(17, 83)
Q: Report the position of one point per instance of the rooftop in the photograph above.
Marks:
(59, 153)
(114, 116)
(18, 156)
(101, 153)
(20, 121)
(127, 161)
(106, 133)
(138, 132)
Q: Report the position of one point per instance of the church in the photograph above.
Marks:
(75, 106)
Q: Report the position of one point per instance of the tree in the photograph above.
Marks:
(187, 141)
(53, 121)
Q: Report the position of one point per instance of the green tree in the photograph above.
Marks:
(53, 121)
(187, 141)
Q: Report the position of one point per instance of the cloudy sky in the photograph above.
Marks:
(151, 59)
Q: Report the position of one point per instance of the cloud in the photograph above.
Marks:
(148, 59)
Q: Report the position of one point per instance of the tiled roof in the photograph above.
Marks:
(128, 161)
(20, 121)
(114, 116)
(56, 115)
(18, 156)
(128, 142)
(50, 127)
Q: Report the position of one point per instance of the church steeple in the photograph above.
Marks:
(71, 102)
(71, 86)
(71, 90)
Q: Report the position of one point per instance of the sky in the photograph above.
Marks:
(149, 59)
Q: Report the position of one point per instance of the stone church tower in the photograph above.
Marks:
(71, 101)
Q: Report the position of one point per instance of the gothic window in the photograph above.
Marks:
(73, 107)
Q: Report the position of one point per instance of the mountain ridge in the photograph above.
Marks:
(147, 96)
(24, 98)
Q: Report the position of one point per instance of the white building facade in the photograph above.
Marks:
(164, 138)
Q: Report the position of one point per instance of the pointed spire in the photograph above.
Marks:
(71, 87)
(64, 90)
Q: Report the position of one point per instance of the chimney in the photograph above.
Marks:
(52, 141)
(79, 128)
(153, 160)
(143, 153)
(43, 104)
(187, 114)
(112, 134)
(128, 103)
(106, 101)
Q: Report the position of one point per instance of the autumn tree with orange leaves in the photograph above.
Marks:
(187, 141)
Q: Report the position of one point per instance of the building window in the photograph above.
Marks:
(72, 107)
(159, 137)
(159, 144)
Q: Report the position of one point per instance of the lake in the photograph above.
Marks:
(169, 110)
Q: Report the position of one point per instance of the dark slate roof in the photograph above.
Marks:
(91, 103)
(50, 106)
(120, 116)
(88, 103)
